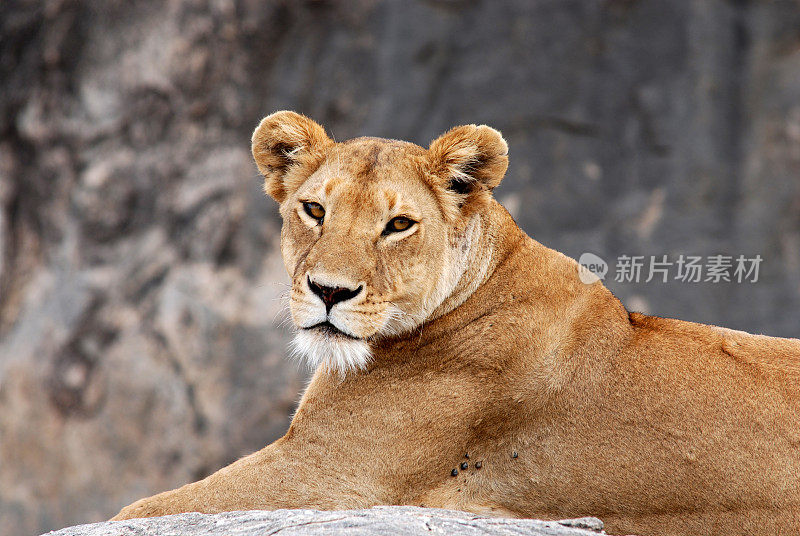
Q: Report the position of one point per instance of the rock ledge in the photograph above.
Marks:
(381, 520)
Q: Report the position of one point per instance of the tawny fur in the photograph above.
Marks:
(486, 348)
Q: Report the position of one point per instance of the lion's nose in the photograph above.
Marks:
(330, 296)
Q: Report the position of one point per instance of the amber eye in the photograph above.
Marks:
(398, 224)
(314, 210)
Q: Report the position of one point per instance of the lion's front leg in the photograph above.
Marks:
(246, 484)
(163, 504)
(282, 475)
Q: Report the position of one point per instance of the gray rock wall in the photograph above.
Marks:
(140, 285)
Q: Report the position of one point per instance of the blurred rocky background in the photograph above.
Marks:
(141, 288)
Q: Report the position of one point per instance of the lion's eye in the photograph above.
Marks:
(314, 210)
(398, 224)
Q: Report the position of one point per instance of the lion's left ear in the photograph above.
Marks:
(469, 159)
(286, 147)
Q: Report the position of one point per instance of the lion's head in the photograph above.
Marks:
(377, 234)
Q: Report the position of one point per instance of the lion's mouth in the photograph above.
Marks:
(330, 330)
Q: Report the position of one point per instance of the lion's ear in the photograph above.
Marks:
(469, 159)
(286, 147)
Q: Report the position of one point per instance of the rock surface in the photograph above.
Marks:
(141, 344)
(382, 520)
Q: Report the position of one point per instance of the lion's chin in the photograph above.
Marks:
(336, 353)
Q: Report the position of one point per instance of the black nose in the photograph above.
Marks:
(330, 296)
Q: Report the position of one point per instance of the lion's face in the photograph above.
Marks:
(377, 233)
(367, 249)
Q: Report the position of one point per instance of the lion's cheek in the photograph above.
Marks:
(420, 287)
(294, 250)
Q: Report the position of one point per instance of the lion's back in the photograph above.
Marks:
(773, 359)
(773, 354)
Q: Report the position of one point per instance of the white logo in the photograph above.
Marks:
(591, 268)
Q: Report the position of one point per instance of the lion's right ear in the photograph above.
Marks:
(287, 147)
(468, 162)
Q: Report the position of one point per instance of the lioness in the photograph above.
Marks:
(461, 364)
